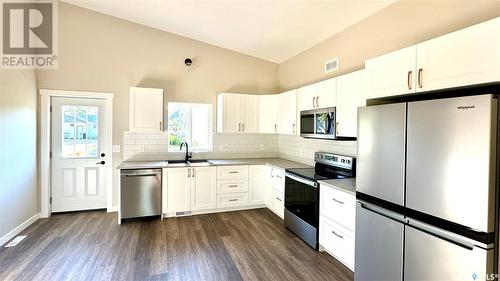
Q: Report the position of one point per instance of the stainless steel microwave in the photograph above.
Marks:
(318, 123)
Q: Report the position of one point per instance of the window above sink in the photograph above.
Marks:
(191, 123)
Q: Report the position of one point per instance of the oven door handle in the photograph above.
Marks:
(302, 180)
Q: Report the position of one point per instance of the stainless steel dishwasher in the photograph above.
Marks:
(140, 193)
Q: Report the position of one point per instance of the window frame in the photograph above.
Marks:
(210, 127)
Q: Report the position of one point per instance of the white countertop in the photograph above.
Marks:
(347, 185)
(275, 162)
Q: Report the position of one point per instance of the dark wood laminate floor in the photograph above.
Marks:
(243, 245)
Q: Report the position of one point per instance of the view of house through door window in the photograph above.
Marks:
(80, 125)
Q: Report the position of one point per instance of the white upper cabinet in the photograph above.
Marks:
(351, 94)
(307, 97)
(237, 113)
(318, 95)
(268, 122)
(392, 74)
(250, 119)
(287, 113)
(465, 57)
(146, 110)
(326, 93)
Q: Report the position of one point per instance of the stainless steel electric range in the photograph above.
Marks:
(302, 192)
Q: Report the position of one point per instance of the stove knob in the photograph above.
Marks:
(343, 160)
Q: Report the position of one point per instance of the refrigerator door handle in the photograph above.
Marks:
(383, 212)
(456, 239)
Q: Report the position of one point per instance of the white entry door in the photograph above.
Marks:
(78, 156)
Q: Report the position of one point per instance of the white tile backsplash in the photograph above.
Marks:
(224, 146)
(289, 147)
(302, 150)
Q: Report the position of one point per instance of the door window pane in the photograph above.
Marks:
(80, 126)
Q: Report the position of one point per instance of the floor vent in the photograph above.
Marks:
(15, 241)
(179, 214)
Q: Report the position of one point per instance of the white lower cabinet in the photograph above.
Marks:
(203, 188)
(259, 182)
(232, 186)
(232, 199)
(337, 224)
(188, 189)
(338, 241)
(275, 191)
(176, 190)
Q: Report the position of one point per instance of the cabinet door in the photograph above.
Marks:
(203, 188)
(268, 122)
(176, 190)
(392, 74)
(279, 204)
(146, 110)
(269, 190)
(249, 115)
(228, 117)
(288, 113)
(326, 93)
(307, 97)
(260, 181)
(351, 93)
(465, 57)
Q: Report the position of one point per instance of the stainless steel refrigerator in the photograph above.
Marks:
(427, 190)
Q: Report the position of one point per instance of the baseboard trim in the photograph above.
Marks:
(113, 209)
(6, 238)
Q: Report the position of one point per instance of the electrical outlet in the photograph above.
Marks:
(261, 147)
(141, 148)
(224, 147)
(116, 148)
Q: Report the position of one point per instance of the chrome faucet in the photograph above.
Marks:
(187, 151)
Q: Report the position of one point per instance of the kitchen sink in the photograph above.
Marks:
(191, 163)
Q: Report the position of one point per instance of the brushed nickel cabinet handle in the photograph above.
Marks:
(243, 126)
(234, 185)
(317, 101)
(233, 172)
(408, 81)
(189, 173)
(232, 200)
(338, 201)
(278, 199)
(338, 235)
(161, 126)
(314, 101)
(194, 173)
(275, 128)
(294, 128)
(420, 77)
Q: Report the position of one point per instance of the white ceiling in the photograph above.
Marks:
(274, 30)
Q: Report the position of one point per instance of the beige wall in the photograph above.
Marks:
(402, 24)
(102, 53)
(18, 158)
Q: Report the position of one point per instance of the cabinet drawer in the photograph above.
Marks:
(338, 206)
(232, 200)
(338, 241)
(279, 204)
(232, 186)
(232, 172)
(278, 179)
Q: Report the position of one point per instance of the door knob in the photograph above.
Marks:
(101, 163)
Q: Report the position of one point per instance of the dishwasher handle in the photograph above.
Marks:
(141, 173)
